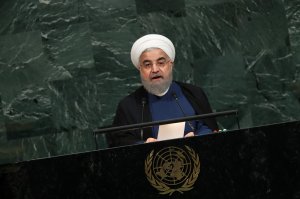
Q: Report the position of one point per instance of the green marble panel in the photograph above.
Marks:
(69, 48)
(293, 18)
(174, 8)
(18, 16)
(219, 77)
(23, 64)
(54, 14)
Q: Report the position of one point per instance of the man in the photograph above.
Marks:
(160, 97)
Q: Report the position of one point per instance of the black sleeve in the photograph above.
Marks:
(123, 117)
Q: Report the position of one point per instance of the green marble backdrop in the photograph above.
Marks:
(64, 64)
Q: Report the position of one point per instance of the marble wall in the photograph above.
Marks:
(64, 64)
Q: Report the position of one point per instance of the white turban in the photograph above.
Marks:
(151, 41)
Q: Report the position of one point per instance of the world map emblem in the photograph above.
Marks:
(172, 169)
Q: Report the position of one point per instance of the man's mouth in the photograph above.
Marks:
(156, 77)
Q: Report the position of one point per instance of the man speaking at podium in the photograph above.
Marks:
(160, 98)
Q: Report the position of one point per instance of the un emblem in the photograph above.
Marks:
(172, 169)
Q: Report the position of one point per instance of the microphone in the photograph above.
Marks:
(143, 107)
(177, 102)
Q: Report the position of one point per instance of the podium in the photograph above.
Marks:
(259, 162)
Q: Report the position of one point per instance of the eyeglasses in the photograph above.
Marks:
(161, 63)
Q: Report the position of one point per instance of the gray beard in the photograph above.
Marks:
(157, 89)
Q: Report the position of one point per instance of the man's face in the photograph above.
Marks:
(156, 71)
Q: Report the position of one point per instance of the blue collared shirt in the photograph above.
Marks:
(166, 107)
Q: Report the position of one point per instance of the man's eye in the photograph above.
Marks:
(162, 63)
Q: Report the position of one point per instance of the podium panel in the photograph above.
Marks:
(260, 162)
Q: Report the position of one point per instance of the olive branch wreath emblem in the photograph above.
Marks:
(165, 189)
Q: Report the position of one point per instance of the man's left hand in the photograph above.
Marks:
(190, 134)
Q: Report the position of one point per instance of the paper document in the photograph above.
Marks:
(171, 131)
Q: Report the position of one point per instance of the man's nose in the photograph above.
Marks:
(155, 68)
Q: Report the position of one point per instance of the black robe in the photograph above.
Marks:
(131, 111)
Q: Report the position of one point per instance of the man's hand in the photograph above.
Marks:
(151, 140)
(190, 134)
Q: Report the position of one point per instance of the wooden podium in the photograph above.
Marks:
(261, 162)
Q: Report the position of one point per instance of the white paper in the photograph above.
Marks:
(171, 131)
